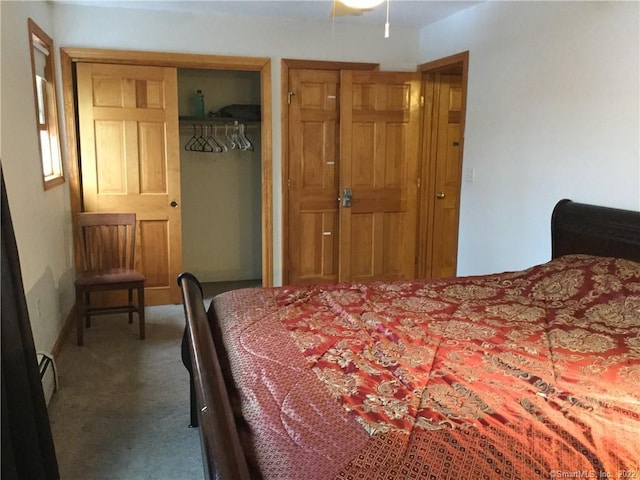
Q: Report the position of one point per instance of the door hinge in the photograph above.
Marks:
(289, 95)
(422, 100)
(289, 183)
(418, 182)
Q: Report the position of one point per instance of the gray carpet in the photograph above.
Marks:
(122, 407)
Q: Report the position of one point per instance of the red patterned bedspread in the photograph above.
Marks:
(519, 375)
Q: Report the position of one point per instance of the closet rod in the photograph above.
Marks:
(218, 120)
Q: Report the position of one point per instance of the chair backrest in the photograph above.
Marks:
(107, 240)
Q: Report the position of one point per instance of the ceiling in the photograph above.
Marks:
(415, 13)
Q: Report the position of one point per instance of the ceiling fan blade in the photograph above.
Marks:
(339, 9)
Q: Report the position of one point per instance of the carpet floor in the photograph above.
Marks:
(121, 411)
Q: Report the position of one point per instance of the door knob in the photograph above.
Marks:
(440, 195)
(347, 195)
(173, 204)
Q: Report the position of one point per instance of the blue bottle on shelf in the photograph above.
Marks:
(198, 104)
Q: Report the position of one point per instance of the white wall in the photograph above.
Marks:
(41, 219)
(553, 107)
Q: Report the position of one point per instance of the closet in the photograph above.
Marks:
(220, 172)
(130, 149)
(352, 175)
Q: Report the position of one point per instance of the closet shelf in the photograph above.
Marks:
(184, 120)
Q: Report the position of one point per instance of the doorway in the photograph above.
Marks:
(444, 84)
(70, 57)
(220, 168)
(322, 265)
(349, 130)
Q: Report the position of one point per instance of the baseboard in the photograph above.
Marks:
(64, 332)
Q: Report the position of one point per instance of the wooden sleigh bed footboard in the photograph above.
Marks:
(575, 229)
(222, 453)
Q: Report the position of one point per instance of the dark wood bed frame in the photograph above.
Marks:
(575, 228)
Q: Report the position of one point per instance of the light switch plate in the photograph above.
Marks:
(470, 175)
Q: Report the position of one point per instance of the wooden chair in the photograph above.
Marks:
(107, 243)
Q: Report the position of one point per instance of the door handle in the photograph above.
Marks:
(347, 195)
(440, 195)
(173, 204)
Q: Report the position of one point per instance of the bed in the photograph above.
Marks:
(517, 375)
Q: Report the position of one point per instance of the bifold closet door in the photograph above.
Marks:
(380, 132)
(128, 120)
(352, 133)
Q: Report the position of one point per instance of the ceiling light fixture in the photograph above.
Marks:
(357, 7)
(362, 4)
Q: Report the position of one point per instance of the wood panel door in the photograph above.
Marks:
(128, 122)
(379, 165)
(447, 144)
(313, 176)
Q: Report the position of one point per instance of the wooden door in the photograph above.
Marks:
(128, 122)
(313, 176)
(447, 144)
(379, 164)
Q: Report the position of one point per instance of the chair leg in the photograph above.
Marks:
(79, 315)
(141, 311)
(130, 293)
(87, 301)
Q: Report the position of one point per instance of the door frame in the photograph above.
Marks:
(458, 63)
(285, 65)
(69, 56)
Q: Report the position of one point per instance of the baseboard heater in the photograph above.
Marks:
(48, 376)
